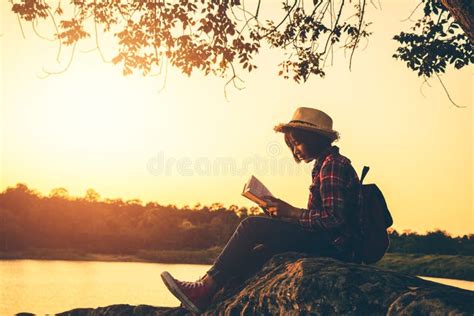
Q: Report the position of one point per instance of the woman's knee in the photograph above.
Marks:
(258, 224)
(251, 221)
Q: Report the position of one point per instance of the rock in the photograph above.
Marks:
(126, 310)
(293, 283)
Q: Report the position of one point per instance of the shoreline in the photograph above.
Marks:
(438, 266)
(204, 256)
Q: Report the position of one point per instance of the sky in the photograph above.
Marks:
(187, 143)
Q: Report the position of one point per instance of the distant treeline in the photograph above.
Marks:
(91, 224)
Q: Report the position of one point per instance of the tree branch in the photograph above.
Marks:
(361, 19)
(447, 93)
(281, 22)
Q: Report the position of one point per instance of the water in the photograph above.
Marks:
(467, 285)
(51, 286)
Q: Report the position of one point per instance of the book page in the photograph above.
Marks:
(255, 191)
(257, 188)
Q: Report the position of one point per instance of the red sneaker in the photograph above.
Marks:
(195, 296)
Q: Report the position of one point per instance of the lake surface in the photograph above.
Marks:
(52, 286)
(468, 285)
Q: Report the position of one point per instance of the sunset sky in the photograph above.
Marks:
(90, 127)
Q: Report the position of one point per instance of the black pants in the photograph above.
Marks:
(242, 256)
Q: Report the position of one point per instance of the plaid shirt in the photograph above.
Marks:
(334, 199)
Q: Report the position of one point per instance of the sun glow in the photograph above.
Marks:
(92, 127)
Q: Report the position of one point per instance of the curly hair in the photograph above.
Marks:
(314, 141)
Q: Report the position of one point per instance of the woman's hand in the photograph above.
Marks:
(279, 208)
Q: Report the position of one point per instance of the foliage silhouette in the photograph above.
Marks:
(215, 37)
(29, 220)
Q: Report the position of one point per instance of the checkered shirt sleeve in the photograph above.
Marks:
(329, 214)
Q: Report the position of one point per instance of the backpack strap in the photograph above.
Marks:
(364, 173)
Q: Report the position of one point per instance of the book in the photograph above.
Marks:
(255, 190)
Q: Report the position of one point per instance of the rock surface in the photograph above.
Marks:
(298, 284)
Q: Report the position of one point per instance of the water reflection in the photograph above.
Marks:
(52, 286)
(467, 285)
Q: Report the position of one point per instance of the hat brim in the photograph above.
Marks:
(283, 128)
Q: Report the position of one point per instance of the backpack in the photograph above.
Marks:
(374, 220)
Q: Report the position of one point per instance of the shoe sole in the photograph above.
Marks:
(168, 280)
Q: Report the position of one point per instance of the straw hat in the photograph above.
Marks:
(311, 120)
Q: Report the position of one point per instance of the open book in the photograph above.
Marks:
(254, 190)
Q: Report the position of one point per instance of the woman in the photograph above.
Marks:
(327, 227)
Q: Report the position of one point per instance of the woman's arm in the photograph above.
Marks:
(281, 209)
